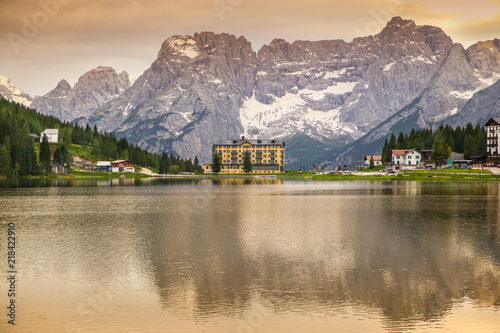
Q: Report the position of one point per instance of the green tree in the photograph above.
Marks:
(440, 149)
(247, 162)
(4, 160)
(372, 164)
(216, 167)
(174, 169)
(45, 155)
(196, 165)
(471, 146)
(386, 156)
(390, 146)
(401, 144)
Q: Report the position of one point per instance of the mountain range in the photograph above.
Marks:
(328, 99)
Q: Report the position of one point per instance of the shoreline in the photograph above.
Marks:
(434, 175)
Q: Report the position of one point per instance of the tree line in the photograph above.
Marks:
(20, 128)
(174, 165)
(468, 140)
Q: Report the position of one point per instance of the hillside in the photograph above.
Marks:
(20, 129)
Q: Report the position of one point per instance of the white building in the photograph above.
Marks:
(52, 135)
(407, 158)
(492, 130)
(377, 160)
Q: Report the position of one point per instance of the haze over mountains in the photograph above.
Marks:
(320, 96)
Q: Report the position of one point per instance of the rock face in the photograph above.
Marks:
(93, 89)
(189, 98)
(13, 93)
(207, 87)
(480, 108)
(335, 91)
(462, 91)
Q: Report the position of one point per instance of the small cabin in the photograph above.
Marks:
(103, 166)
(52, 135)
(122, 166)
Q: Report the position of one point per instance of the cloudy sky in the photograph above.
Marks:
(44, 41)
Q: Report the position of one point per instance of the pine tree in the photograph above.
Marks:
(471, 146)
(216, 164)
(401, 144)
(247, 162)
(372, 164)
(390, 146)
(440, 149)
(45, 155)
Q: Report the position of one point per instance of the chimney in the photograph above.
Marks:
(242, 138)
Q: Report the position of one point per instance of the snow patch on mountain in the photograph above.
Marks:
(13, 93)
(290, 114)
(338, 88)
(388, 66)
(184, 45)
(488, 81)
(335, 74)
(464, 95)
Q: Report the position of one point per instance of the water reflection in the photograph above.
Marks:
(403, 253)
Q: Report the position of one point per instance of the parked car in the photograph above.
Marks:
(347, 172)
(391, 172)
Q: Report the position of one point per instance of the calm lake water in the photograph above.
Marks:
(252, 256)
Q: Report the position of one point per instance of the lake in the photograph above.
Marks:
(263, 255)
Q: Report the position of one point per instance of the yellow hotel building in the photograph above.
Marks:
(267, 156)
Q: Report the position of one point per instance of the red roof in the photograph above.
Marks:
(375, 157)
(399, 151)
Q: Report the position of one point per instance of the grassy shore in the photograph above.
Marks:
(89, 174)
(433, 175)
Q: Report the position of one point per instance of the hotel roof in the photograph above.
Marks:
(255, 142)
(495, 120)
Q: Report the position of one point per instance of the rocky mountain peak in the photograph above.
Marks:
(179, 46)
(398, 21)
(12, 92)
(484, 58)
(92, 89)
(63, 86)
(277, 41)
(456, 72)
